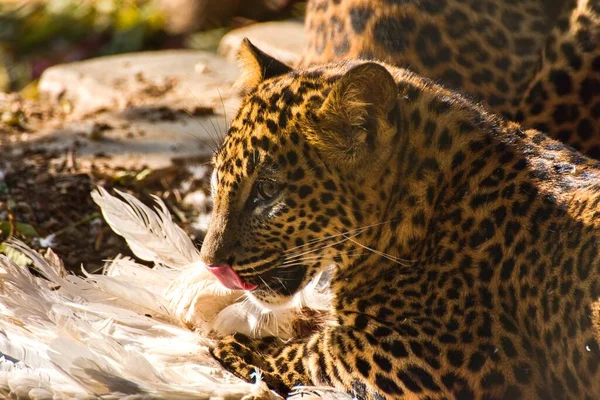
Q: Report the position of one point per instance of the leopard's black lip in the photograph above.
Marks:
(285, 281)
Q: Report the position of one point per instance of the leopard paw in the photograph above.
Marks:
(239, 356)
(246, 358)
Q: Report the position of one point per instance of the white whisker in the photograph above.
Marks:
(397, 260)
(361, 229)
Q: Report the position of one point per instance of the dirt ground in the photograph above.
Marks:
(45, 195)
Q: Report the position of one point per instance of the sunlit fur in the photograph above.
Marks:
(465, 247)
(533, 61)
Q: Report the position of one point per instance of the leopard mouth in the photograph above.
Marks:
(229, 278)
(266, 279)
(283, 282)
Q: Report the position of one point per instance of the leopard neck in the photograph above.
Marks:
(445, 141)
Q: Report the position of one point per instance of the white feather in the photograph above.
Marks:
(132, 332)
(97, 348)
(149, 233)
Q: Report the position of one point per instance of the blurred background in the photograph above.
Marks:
(131, 95)
(37, 34)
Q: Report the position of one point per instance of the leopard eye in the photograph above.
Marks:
(266, 190)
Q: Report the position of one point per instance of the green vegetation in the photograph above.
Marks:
(35, 35)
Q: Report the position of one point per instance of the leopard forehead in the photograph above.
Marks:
(271, 121)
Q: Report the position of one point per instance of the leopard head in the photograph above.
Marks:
(294, 181)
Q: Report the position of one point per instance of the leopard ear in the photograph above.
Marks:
(257, 66)
(355, 117)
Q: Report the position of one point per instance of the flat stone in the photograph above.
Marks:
(143, 109)
(138, 137)
(284, 40)
(174, 78)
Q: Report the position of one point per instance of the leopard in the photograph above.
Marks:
(463, 247)
(536, 62)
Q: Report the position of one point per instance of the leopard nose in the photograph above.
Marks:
(229, 278)
(218, 258)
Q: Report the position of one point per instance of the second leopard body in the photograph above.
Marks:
(533, 61)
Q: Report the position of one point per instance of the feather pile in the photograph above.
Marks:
(133, 332)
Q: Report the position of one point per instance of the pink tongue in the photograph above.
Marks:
(229, 278)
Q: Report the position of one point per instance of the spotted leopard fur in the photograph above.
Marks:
(533, 61)
(466, 247)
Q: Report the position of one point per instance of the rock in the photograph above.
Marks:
(143, 109)
(196, 15)
(284, 40)
(173, 78)
(138, 137)
(187, 16)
